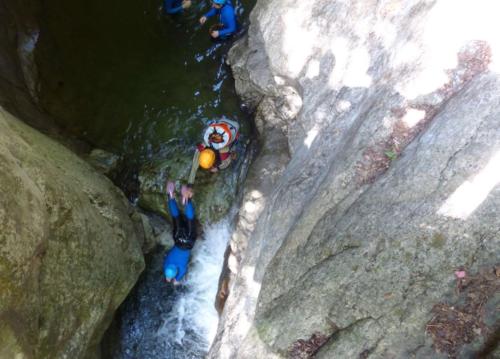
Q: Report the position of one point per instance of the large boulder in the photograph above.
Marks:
(69, 251)
(380, 138)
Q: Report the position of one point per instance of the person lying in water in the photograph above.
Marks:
(175, 6)
(227, 19)
(218, 148)
(184, 232)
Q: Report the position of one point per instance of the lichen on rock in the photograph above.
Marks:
(69, 250)
(371, 213)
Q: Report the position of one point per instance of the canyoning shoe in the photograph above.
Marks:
(171, 189)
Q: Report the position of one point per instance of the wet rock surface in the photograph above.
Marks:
(103, 161)
(214, 193)
(380, 135)
(70, 252)
(132, 90)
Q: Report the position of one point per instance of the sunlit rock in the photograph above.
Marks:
(389, 187)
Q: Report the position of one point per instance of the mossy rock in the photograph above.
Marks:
(70, 252)
(214, 193)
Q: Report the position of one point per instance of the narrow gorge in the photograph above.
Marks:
(360, 219)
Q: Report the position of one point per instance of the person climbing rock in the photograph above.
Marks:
(184, 233)
(175, 6)
(227, 19)
(217, 150)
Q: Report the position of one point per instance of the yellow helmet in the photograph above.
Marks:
(207, 158)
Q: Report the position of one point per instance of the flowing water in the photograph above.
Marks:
(130, 80)
(160, 320)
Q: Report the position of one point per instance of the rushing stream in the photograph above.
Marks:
(130, 80)
(161, 321)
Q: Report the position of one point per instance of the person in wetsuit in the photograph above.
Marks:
(218, 148)
(227, 19)
(184, 232)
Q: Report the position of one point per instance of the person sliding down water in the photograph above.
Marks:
(184, 233)
(175, 6)
(216, 152)
(227, 19)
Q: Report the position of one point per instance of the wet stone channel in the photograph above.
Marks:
(127, 78)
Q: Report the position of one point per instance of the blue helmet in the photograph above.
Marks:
(219, 2)
(170, 271)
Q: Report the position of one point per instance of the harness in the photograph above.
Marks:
(184, 232)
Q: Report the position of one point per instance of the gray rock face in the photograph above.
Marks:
(18, 73)
(380, 139)
(70, 252)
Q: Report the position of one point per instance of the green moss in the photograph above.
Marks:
(263, 330)
(11, 348)
(399, 312)
(438, 241)
(327, 252)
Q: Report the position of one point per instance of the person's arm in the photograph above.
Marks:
(229, 20)
(169, 7)
(210, 13)
(225, 163)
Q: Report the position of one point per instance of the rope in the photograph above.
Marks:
(194, 167)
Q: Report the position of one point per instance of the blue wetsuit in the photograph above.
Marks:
(226, 18)
(172, 6)
(178, 257)
(184, 237)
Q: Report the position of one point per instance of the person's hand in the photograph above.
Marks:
(186, 4)
(203, 19)
(214, 169)
(215, 34)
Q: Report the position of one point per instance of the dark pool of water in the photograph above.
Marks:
(129, 79)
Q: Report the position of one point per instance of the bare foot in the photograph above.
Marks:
(187, 193)
(170, 189)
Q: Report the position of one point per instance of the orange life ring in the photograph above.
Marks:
(219, 135)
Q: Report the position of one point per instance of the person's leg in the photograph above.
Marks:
(189, 210)
(173, 208)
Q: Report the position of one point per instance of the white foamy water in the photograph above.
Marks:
(194, 310)
(160, 321)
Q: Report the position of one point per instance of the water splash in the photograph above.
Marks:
(164, 322)
(196, 307)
